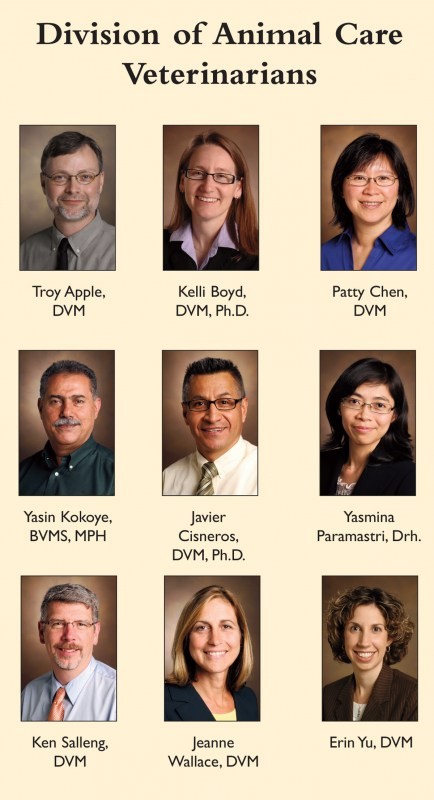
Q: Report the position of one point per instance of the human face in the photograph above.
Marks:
(215, 640)
(73, 202)
(366, 638)
(69, 649)
(206, 199)
(365, 427)
(68, 411)
(215, 432)
(372, 204)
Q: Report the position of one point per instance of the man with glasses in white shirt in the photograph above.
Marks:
(214, 407)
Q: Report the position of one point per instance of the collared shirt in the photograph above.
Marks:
(185, 234)
(238, 472)
(393, 250)
(89, 470)
(91, 696)
(92, 248)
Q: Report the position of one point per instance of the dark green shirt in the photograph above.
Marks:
(87, 471)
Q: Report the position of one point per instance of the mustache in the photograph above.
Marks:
(69, 647)
(66, 421)
(72, 197)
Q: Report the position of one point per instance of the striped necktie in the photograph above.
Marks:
(209, 471)
(57, 710)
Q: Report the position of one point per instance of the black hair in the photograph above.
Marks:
(209, 366)
(74, 368)
(360, 153)
(396, 442)
(69, 142)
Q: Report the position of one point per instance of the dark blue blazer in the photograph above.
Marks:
(184, 704)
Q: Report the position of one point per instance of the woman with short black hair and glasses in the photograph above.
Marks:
(372, 198)
(368, 451)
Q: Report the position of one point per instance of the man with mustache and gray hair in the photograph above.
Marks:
(78, 688)
(72, 462)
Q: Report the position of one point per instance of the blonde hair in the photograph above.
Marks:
(184, 668)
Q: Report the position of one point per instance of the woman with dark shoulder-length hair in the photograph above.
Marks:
(212, 660)
(369, 629)
(368, 451)
(372, 198)
(214, 224)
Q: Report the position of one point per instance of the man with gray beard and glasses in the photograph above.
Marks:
(72, 462)
(72, 178)
(78, 688)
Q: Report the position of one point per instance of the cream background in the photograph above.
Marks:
(292, 317)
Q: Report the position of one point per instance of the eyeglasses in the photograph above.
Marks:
(378, 407)
(200, 175)
(363, 180)
(62, 178)
(222, 404)
(61, 624)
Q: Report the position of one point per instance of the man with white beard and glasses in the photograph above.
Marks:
(72, 179)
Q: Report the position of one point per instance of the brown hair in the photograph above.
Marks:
(184, 668)
(241, 220)
(398, 625)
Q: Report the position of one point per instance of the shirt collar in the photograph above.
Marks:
(74, 687)
(79, 241)
(393, 239)
(184, 234)
(73, 459)
(227, 461)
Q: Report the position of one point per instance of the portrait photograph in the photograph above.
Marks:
(370, 648)
(211, 197)
(68, 197)
(367, 422)
(68, 648)
(212, 648)
(368, 197)
(66, 422)
(210, 422)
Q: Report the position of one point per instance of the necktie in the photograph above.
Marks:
(209, 471)
(57, 710)
(62, 254)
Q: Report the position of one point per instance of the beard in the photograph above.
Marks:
(88, 209)
(67, 662)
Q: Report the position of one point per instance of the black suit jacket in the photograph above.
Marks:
(393, 699)
(174, 258)
(378, 478)
(184, 704)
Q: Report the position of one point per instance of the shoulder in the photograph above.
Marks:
(331, 250)
(246, 704)
(334, 689)
(105, 453)
(37, 238)
(184, 463)
(332, 456)
(104, 672)
(402, 681)
(251, 451)
(26, 462)
(37, 684)
(393, 477)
